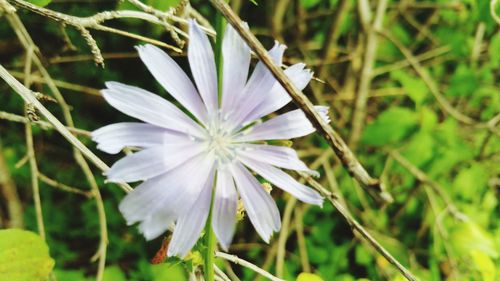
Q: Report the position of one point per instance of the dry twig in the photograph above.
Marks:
(357, 227)
(358, 119)
(237, 260)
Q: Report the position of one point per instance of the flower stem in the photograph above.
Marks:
(210, 241)
(210, 245)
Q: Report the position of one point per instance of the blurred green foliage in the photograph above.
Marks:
(419, 228)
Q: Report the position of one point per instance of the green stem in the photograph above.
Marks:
(210, 240)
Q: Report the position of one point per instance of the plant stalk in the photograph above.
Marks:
(210, 240)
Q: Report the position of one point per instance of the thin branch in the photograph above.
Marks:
(422, 177)
(60, 84)
(45, 179)
(493, 5)
(28, 96)
(357, 227)
(301, 240)
(372, 185)
(9, 191)
(221, 273)
(30, 149)
(365, 79)
(283, 235)
(31, 47)
(162, 16)
(444, 104)
(404, 63)
(94, 22)
(242, 262)
(42, 124)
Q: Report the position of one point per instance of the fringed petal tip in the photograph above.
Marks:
(323, 112)
(318, 202)
(141, 49)
(312, 173)
(277, 44)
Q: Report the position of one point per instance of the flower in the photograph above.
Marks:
(184, 157)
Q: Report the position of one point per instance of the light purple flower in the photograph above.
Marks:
(182, 157)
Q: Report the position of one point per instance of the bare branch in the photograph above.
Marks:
(28, 96)
(365, 79)
(357, 227)
(94, 22)
(237, 260)
(43, 124)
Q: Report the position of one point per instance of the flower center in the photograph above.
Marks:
(220, 142)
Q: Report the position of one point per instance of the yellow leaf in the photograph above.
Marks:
(304, 276)
(484, 264)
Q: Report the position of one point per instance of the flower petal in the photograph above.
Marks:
(113, 138)
(259, 205)
(171, 193)
(279, 156)
(236, 64)
(224, 212)
(277, 96)
(290, 125)
(168, 73)
(190, 223)
(155, 225)
(201, 60)
(261, 82)
(284, 181)
(149, 108)
(153, 161)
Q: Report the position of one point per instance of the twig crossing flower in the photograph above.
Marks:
(184, 158)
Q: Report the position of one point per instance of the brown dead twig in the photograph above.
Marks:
(95, 22)
(28, 96)
(422, 177)
(356, 227)
(370, 49)
(371, 185)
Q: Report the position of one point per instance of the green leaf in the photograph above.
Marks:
(114, 273)
(73, 275)
(470, 181)
(428, 119)
(41, 3)
(414, 87)
(463, 83)
(168, 272)
(484, 264)
(305, 276)
(468, 237)
(309, 3)
(363, 256)
(493, 51)
(163, 5)
(24, 256)
(420, 149)
(391, 126)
